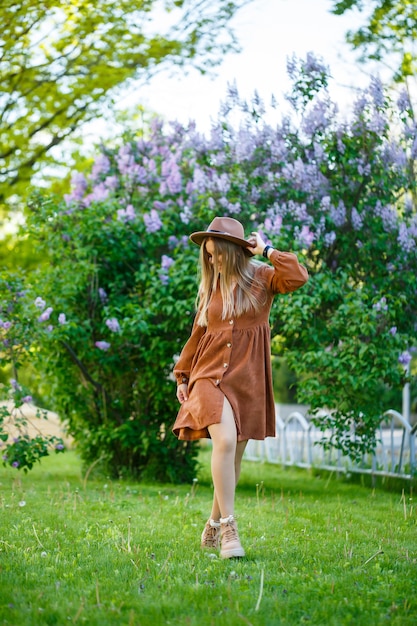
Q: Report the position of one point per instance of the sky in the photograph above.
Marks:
(268, 31)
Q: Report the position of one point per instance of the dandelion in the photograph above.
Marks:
(22, 503)
(102, 345)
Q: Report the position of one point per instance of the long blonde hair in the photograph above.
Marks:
(238, 270)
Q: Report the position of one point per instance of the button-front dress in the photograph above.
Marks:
(232, 358)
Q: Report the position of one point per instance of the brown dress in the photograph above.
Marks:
(232, 358)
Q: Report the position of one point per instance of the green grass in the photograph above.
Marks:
(319, 551)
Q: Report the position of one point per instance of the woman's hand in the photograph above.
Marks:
(182, 393)
(257, 243)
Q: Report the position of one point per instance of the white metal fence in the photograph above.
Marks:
(297, 443)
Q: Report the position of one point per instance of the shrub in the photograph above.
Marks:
(119, 288)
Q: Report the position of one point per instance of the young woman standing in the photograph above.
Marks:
(224, 371)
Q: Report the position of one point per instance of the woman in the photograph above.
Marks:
(224, 371)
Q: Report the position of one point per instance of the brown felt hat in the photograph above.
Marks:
(223, 228)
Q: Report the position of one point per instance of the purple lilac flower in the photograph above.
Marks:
(102, 295)
(101, 166)
(338, 214)
(152, 221)
(126, 215)
(186, 215)
(388, 215)
(164, 278)
(49, 328)
(99, 193)
(377, 123)
(78, 188)
(273, 224)
(102, 345)
(174, 180)
(4, 457)
(316, 118)
(405, 358)
(111, 182)
(376, 91)
(357, 219)
(200, 182)
(40, 303)
(15, 385)
(314, 64)
(405, 238)
(113, 325)
(306, 236)
(27, 399)
(172, 242)
(393, 330)
(62, 319)
(403, 101)
(381, 305)
(45, 315)
(414, 149)
(6, 325)
(125, 160)
(166, 262)
(15, 464)
(329, 238)
(59, 446)
(160, 206)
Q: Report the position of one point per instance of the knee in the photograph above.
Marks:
(225, 444)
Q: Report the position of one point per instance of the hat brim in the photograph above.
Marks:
(199, 237)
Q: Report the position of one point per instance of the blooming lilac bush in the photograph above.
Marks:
(18, 448)
(340, 193)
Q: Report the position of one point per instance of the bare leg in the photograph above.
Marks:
(225, 463)
(240, 449)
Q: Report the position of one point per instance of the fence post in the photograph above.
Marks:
(406, 396)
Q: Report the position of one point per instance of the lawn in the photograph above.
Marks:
(320, 551)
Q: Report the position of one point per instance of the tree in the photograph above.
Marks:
(390, 32)
(60, 61)
(115, 303)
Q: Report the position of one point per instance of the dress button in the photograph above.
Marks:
(230, 321)
(218, 381)
(229, 345)
(225, 365)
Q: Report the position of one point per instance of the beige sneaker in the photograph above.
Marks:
(210, 537)
(230, 541)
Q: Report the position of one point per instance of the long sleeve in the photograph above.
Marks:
(287, 274)
(183, 366)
